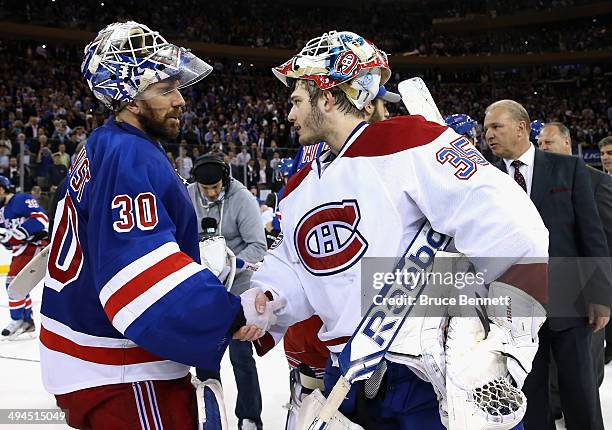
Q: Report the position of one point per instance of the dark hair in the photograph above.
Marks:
(315, 93)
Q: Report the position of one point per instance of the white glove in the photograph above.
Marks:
(263, 320)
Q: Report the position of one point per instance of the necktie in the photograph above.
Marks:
(518, 176)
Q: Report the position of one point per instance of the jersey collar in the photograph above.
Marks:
(326, 158)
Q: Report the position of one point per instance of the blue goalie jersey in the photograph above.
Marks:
(126, 298)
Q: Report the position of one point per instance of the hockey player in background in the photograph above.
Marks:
(23, 231)
(127, 306)
(370, 196)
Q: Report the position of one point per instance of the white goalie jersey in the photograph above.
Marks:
(371, 200)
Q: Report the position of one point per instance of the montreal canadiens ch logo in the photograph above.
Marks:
(346, 63)
(327, 240)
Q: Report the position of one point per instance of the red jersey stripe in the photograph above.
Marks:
(143, 281)
(96, 354)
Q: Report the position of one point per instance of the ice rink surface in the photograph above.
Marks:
(21, 386)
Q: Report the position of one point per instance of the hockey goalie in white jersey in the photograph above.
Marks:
(376, 193)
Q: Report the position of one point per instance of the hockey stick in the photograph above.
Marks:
(417, 99)
(30, 275)
(377, 331)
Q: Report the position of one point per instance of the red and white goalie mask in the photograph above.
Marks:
(340, 58)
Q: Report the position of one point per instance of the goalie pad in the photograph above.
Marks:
(309, 411)
(211, 406)
(485, 355)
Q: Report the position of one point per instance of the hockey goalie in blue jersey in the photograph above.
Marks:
(23, 231)
(127, 306)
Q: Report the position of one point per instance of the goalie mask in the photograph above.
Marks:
(126, 58)
(340, 58)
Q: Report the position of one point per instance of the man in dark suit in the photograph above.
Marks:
(605, 150)
(560, 188)
(555, 137)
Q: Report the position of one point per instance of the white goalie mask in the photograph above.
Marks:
(340, 58)
(126, 58)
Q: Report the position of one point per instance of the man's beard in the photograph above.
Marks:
(314, 122)
(157, 127)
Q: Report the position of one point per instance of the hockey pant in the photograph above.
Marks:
(21, 309)
(136, 405)
(403, 402)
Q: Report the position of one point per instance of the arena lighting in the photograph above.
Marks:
(239, 64)
(44, 47)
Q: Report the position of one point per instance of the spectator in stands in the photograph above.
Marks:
(170, 156)
(60, 133)
(63, 156)
(265, 173)
(191, 133)
(244, 157)
(605, 150)
(184, 164)
(57, 173)
(80, 134)
(5, 142)
(31, 128)
(44, 160)
(4, 161)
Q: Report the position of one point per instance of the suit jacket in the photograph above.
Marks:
(561, 191)
(602, 191)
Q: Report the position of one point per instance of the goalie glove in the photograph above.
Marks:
(485, 355)
(219, 259)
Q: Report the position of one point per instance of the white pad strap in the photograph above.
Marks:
(211, 406)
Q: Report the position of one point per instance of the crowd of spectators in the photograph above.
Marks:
(46, 108)
(402, 28)
(493, 8)
(581, 35)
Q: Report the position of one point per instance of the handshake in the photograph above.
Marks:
(259, 311)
